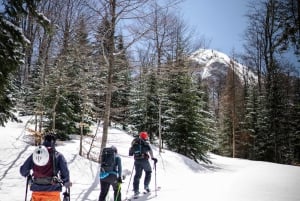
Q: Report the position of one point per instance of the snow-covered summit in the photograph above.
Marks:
(213, 63)
(207, 56)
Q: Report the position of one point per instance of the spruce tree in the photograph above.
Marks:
(122, 85)
(12, 46)
(67, 86)
(188, 128)
(151, 115)
(137, 108)
(144, 109)
(295, 124)
(262, 140)
(250, 120)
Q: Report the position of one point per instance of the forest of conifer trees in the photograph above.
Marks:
(72, 63)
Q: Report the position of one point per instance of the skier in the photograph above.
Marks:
(111, 176)
(141, 149)
(50, 171)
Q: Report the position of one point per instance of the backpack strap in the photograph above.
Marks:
(55, 178)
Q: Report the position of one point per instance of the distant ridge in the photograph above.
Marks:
(214, 63)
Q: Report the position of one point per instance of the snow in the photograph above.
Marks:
(206, 58)
(17, 29)
(226, 179)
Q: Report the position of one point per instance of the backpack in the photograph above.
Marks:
(139, 149)
(43, 165)
(108, 158)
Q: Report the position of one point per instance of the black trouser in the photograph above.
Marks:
(105, 184)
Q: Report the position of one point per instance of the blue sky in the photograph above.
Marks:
(222, 21)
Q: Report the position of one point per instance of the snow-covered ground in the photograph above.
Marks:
(226, 179)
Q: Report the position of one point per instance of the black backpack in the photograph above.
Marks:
(139, 149)
(108, 157)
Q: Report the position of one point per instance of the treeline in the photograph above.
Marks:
(127, 62)
(261, 121)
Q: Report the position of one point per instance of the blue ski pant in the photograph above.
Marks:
(140, 165)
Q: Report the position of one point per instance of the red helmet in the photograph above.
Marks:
(144, 135)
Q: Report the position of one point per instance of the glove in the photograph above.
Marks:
(155, 160)
(119, 180)
(29, 179)
(68, 184)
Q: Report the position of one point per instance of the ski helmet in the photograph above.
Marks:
(49, 139)
(40, 156)
(144, 135)
(50, 136)
(114, 148)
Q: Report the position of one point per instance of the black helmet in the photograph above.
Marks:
(114, 148)
(49, 138)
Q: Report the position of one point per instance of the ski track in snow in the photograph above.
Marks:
(226, 179)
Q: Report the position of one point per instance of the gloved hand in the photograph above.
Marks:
(68, 184)
(119, 180)
(29, 179)
(154, 159)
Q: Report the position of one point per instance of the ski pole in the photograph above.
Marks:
(130, 180)
(26, 189)
(118, 192)
(155, 178)
(28, 180)
(67, 194)
(69, 191)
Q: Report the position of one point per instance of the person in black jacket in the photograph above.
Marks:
(142, 151)
(50, 171)
(113, 178)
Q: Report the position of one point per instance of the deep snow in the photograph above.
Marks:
(226, 179)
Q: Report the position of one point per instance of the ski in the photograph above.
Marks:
(151, 191)
(143, 196)
(133, 197)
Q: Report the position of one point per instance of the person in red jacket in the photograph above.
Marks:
(49, 171)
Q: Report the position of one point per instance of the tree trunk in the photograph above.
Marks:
(111, 61)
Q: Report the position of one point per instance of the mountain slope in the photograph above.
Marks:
(213, 63)
(180, 178)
